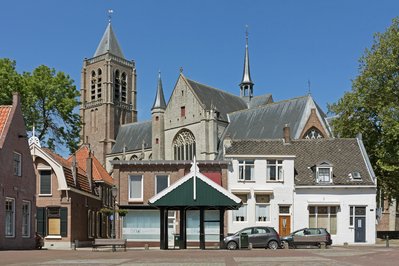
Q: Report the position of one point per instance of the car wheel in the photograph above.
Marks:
(272, 244)
(232, 245)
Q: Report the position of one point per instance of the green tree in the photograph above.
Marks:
(48, 100)
(10, 80)
(372, 108)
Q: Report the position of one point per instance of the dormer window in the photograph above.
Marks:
(324, 173)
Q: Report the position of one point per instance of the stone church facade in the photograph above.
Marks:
(194, 121)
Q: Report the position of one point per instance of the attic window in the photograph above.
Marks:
(355, 176)
(324, 173)
(182, 111)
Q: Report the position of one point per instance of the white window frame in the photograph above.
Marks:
(11, 223)
(142, 186)
(156, 181)
(262, 219)
(353, 215)
(241, 218)
(242, 167)
(279, 170)
(324, 166)
(26, 218)
(40, 181)
(17, 163)
(329, 215)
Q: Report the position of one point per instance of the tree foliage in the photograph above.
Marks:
(372, 108)
(48, 100)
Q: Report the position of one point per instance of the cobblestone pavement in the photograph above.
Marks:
(353, 255)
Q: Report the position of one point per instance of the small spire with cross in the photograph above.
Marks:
(309, 91)
(181, 69)
(246, 33)
(110, 12)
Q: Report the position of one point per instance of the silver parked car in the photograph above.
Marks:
(258, 236)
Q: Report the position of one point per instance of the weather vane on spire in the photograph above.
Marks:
(309, 91)
(110, 11)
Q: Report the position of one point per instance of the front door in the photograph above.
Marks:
(284, 225)
(360, 229)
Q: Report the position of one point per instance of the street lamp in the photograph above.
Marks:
(114, 192)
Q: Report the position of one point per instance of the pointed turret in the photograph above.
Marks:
(246, 85)
(109, 44)
(158, 123)
(159, 97)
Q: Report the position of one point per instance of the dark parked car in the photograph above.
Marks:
(258, 236)
(307, 237)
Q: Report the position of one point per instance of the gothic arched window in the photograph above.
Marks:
(184, 145)
(99, 82)
(123, 87)
(313, 133)
(93, 81)
(117, 84)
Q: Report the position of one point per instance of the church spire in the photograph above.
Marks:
(246, 85)
(109, 43)
(159, 98)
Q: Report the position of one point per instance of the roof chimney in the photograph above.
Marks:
(74, 168)
(16, 99)
(287, 134)
(89, 166)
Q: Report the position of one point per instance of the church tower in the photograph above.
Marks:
(108, 95)
(158, 123)
(246, 85)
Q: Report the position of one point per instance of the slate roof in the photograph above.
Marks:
(4, 114)
(260, 100)
(109, 44)
(132, 136)
(98, 171)
(82, 182)
(268, 121)
(214, 98)
(159, 101)
(345, 155)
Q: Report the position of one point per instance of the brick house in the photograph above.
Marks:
(70, 195)
(139, 181)
(17, 181)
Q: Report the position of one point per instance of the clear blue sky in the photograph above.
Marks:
(290, 42)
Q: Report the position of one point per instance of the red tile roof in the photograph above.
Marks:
(99, 172)
(82, 182)
(4, 114)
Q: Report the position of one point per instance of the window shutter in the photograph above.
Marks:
(41, 221)
(64, 221)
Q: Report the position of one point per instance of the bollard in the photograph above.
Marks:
(250, 246)
(387, 241)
